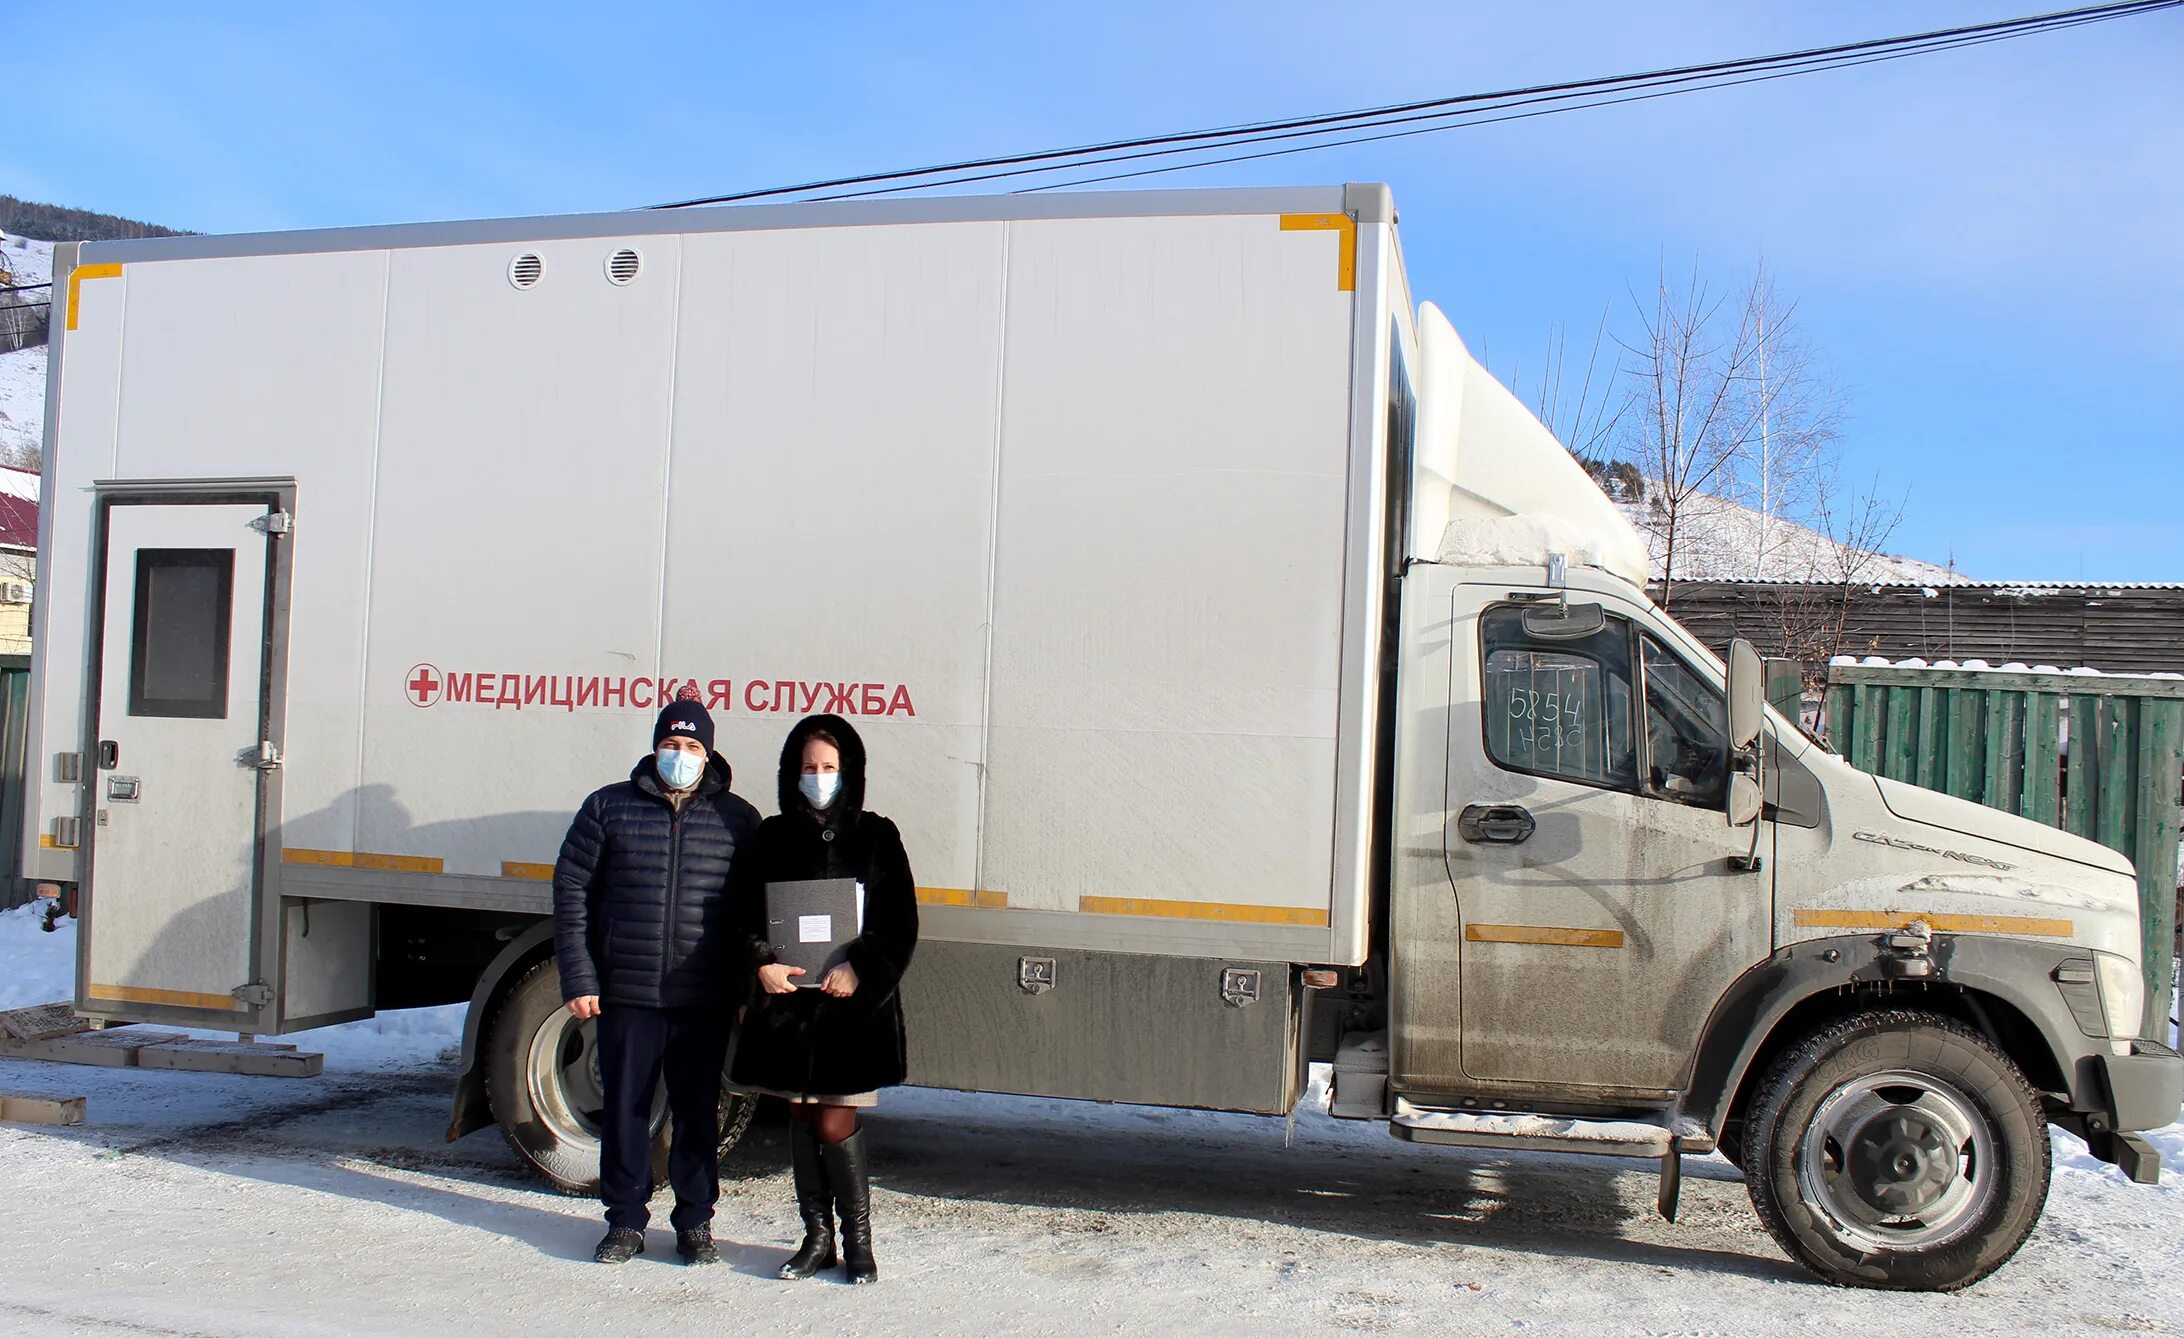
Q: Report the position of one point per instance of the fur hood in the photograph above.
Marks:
(847, 804)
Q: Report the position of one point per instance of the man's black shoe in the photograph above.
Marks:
(619, 1246)
(696, 1246)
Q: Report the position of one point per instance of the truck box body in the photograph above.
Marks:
(995, 478)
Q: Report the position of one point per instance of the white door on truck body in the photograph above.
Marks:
(174, 831)
(1587, 840)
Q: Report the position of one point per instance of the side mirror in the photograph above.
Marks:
(1563, 622)
(1744, 799)
(1747, 694)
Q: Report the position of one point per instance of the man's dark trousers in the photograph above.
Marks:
(636, 1046)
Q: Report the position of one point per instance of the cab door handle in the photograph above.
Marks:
(1495, 824)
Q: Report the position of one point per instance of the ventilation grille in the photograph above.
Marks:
(526, 270)
(623, 265)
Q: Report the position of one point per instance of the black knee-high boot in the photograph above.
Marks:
(853, 1198)
(814, 1200)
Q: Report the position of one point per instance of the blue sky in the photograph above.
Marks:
(1983, 244)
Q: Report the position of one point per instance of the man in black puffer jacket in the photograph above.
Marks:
(644, 941)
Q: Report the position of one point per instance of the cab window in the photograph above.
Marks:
(1560, 707)
(1687, 730)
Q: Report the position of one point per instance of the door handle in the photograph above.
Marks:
(1495, 824)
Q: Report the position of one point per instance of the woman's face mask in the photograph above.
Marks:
(679, 770)
(820, 787)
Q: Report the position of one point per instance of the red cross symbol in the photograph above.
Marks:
(423, 685)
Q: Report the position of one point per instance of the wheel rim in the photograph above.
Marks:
(561, 1070)
(1898, 1160)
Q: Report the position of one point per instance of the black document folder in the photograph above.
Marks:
(810, 922)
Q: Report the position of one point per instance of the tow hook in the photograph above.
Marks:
(1907, 953)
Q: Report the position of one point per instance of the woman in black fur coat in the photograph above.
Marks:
(827, 1050)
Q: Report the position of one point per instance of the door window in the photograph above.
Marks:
(1687, 730)
(1560, 708)
(178, 653)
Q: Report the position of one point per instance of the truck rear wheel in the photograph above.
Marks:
(1898, 1150)
(542, 1077)
(542, 1080)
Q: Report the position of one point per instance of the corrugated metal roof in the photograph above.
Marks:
(2121, 627)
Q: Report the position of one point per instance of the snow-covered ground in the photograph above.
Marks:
(22, 373)
(197, 1204)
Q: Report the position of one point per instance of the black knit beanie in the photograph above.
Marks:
(685, 717)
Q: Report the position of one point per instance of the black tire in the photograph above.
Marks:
(1897, 1150)
(545, 1121)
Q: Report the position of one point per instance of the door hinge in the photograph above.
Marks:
(257, 994)
(264, 757)
(274, 524)
(1035, 975)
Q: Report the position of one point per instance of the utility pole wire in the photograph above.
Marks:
(1714, 74)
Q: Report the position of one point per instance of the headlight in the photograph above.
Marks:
(2123, 994)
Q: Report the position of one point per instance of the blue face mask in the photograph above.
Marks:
(678, 769)
(820, 787)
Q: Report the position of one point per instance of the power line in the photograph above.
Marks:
(1476, 116)
(1487, 120)
(1441, 112)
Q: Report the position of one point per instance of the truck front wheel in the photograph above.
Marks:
(1897, 1150)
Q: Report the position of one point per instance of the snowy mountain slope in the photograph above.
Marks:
(28, 259)
(1720, 540)
(22, 373)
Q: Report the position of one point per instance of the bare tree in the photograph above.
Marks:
(1587, 416)
(1813, 615)
(1692, 414)
(1785, 469)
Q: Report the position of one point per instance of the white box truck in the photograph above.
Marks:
(1256, 683)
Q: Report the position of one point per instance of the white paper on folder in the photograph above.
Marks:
(814, 928)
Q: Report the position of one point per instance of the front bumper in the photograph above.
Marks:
(2141, 1090)
(2145, 1088)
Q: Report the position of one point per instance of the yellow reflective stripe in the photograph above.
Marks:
(171, 998)
(963, 896)
(358, 859)
(1345, 228)
(1552, 935)
(1948, 924)
(533, 873)
(76, 277)
(1204, 910)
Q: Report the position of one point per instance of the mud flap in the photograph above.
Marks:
(1671, 1178)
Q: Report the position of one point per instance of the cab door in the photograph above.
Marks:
(180, 762)
(1603, 901)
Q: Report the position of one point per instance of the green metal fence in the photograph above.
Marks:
(2096, 755)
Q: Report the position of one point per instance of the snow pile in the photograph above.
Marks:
(1516, 541)
(37, 967)
(1982, 667)
(1720, 540)
(23, 373)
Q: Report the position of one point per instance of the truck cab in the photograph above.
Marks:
(1634, 910)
